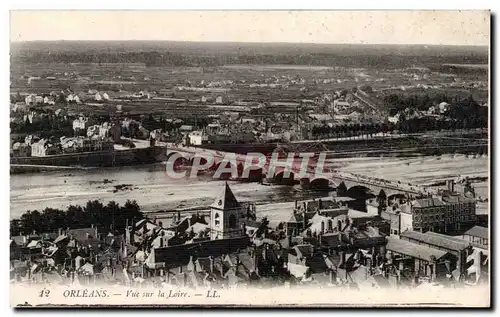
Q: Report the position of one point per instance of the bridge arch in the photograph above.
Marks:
(320, 183)
(360, 191)
(282, 179)
(182, 160)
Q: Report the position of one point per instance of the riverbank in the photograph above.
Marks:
(154, 191)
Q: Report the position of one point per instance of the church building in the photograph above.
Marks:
(225, 215)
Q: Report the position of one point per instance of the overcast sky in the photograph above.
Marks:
(363, 27)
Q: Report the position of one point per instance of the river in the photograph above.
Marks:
(153, 190)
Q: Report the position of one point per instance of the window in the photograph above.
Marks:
(217, 220)
(232, 221)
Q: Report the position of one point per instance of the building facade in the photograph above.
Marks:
(225, 215)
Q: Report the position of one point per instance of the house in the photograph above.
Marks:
(43, 148)
(450, 213)
(414, 259)
(185, 128)
(457, 247)
(80, 125)
(478, 236)
(298, 254)
(197, 138)
(48, 100)
(33, 100)
(394, 119)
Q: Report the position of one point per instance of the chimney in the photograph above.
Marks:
(320, 204)
(322, 227)
(304, 220)
(59, 232)
(211, 259)
(178, 215)
(339, 225)
(451, 185)
(189, 222)
(295, 204)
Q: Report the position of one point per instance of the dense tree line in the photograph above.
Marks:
(47, 126)
(460, 69)
(106, 217)
(165, 58)
(399, 102)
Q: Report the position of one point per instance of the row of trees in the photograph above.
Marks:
(351, 130)
(112, 217)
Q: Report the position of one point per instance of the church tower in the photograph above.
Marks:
(225, 214)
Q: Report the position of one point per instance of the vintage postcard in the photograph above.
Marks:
(249, 158)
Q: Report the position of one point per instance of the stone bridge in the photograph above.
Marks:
(294, 173)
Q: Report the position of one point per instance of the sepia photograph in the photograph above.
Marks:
(249, 158)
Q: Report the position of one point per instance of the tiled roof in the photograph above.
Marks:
(81, 234)
(428, 202)
(436, 239)
(412, 249)
(457, 199)
(180, 254)
(478, 231)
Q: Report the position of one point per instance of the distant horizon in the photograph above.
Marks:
(244, 42)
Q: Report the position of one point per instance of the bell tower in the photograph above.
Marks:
(225, 214)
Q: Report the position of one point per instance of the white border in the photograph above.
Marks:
(186, 5)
